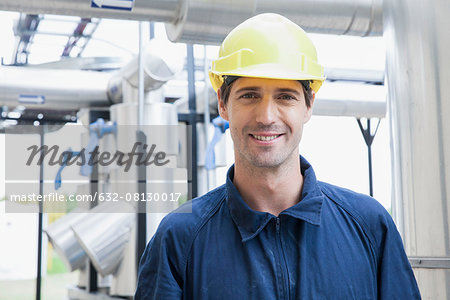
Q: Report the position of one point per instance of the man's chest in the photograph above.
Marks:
(290, 261)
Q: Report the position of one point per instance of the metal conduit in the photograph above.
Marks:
(208, 22)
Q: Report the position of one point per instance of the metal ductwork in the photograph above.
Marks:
(349, 108)
(208, 22)
(160, 62)
(418, 74)
(40, 88)
(104, 233)
(64, 241)
(55, 89)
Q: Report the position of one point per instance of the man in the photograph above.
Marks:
(273, 231)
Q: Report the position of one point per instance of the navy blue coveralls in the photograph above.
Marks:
(333, 244)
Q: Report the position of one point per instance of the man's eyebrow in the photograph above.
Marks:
(288, 90)
(248, 88)
(278, 90)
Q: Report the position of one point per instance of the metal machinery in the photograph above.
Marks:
(416, 75)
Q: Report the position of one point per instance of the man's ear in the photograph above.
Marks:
(223, 112)
(308, 112)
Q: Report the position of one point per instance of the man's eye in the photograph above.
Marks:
(248, 96)
(286, 97)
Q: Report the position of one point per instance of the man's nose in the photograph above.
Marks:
(266, 111)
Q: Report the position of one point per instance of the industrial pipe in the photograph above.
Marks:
(35, 87)
(349, 108)
(50, 88)
(161, 62)
(208, 22)
(64, 242)
(103, 234)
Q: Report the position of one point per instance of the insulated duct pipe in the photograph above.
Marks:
(53, 89)
(35, 87)
(161, 62)
(208, 22)
(349, 108)
(418, 77)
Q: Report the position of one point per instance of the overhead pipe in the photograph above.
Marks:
(208, 22)
(52, 89)
(349, 108)
(35, 87)
(367, 76)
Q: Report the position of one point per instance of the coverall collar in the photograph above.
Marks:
(250, 222)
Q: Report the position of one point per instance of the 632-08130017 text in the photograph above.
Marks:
(112, 197)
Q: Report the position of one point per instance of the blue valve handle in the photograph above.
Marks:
(66, 156)
(96, 131)
(220, 126)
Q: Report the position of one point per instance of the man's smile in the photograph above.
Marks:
(265, 137)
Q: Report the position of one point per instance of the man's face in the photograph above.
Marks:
(266, 119)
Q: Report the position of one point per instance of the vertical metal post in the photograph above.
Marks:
(92, 285)
(142, 169)
(192, 120)
(40, 219)
(206, 109)
(369, 158)
(368, 138)
(141, 76)
(92, 272)
(142, 205)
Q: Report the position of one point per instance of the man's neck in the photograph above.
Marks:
(269, 189)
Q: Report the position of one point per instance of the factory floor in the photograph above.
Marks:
(54, 287)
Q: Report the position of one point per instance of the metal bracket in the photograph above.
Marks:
(368, 138)
(430, 262)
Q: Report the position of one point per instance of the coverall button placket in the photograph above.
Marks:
(282, 264)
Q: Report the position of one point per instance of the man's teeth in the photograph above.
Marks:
(265, 137)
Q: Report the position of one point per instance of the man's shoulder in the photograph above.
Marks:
(367, 211)
(187, 219)
(352, 200)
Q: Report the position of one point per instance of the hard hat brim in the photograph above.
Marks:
(269, 71)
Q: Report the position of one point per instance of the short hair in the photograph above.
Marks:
(225, 90)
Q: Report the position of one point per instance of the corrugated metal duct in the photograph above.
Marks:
(418, 76)
(208, 22)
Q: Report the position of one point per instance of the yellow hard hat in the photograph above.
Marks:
(267, 46)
